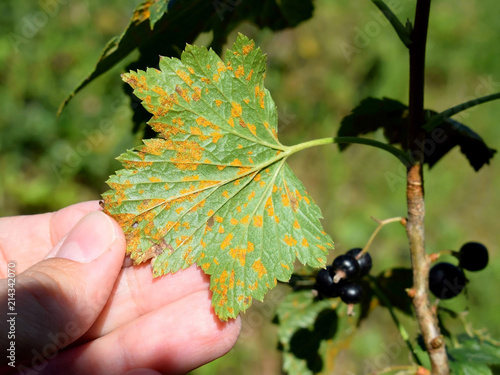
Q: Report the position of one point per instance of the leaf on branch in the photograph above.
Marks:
(311, 333)
(392, 117)
(163, 27)
(215, 188)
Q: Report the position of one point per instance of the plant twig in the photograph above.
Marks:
(381, 223)
(426, 317)
(395, 22)
(437, 119)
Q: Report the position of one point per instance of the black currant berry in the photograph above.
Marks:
(344, 267)
(446, 280)
(351, 293)
(473, 256)
(365, 262)
(325, 284)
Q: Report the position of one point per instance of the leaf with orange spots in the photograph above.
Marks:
(312, 332)
(214, 188)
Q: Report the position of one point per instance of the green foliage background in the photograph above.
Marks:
(46, 164)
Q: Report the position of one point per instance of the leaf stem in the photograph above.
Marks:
(436, 120)
(395, 22)
(401, 155)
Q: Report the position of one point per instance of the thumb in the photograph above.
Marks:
(59, 298)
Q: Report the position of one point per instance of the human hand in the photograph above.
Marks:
(80, 312)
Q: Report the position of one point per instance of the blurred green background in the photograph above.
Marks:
(316, 74)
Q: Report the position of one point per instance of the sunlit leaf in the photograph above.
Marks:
(214, 189)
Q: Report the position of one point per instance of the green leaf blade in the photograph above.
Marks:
(215, 188)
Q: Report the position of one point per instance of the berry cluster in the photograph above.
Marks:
(338, 279)
(447, 281)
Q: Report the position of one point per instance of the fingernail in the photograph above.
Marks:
(89, 239)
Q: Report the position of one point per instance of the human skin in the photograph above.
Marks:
(80, 311)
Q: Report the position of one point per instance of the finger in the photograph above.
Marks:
(59, 298)
(136, 293)
(174, 340)
(27, 239)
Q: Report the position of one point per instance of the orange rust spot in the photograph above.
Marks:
(236, 163)
(210, 213)
(240, 146)
(305, 243)
(205, 266)
(275, 188)
(240, 298)
(205, 80)
(284, 266)
(233, 221)
(226, 241)
(191, 178)
(262, 184)
(216, 77)
(218, 102)
(296, 224)
(242, 123)
(238, 208)
(251, 195)
(216, 261)
(258, 267)
(284, 200)
(141, 191)
(209, 67)
(235, 109)
(166, 186)
(191, 70)
(244, 170)
(185, 77)
(225, 194)
(289, 240)
(245, 220)
(250, 160)
(321, 247)
(257, 221)
(221, 167)
(307, 200)
(257, 177)
(249, 76)
(252, 128)
(179, 210)
(216, 136)
(231, 122)
(203, 244)
(248, 48)
(183, 93)
(154, 179)
(218, 218)
(276, 219)
(196, 94)
(204, 122)
(238, 253)
(237, 183)
(269, 206)
(246, 100)
(239, 72)
(221, 229)
(221, 67)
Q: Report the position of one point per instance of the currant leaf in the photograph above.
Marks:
(214, 189)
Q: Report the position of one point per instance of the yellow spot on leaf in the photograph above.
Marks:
(249, 76)
(248, 48)
(226, 241)
(239, 72)
(233, 221)
(154, 179)
(284, 266)
(257, 221)
(218, 102)
(258, 267)
(296, 224)
(218, 218)
(225, 194)
(221, 229)
(305, 243)
(290, 241)
(205, 266)
(236, 163)
(184, 76)
(235, 109)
